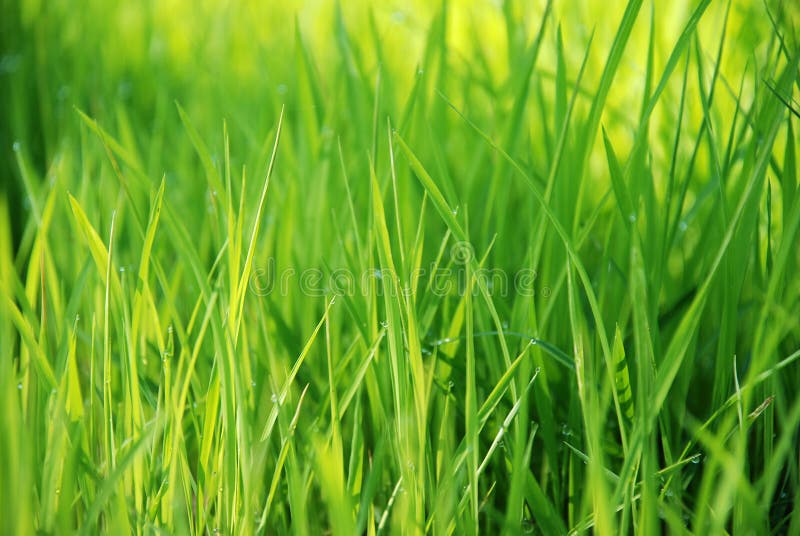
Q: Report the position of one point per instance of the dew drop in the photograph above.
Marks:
(16, 146)
(274, 398)
(683, 226)
(252, 383)
(631, 217)
(384, 324)
(527, 526)
(19, 386)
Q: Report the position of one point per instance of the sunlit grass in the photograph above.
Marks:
(376, 268)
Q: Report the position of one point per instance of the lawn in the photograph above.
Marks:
(451, 267)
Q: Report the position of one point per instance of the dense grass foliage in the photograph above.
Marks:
(383, 268)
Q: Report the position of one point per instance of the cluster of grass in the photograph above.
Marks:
(368, 269)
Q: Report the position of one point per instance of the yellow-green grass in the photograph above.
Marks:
(452, 267)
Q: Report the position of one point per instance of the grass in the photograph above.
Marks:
(508, 267)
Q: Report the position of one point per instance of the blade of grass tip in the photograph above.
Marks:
(389, 504)
(285, 445)
(231, 217)
(147, 248)
(390, 290)
(400, 240)
(361, 372)
(96, 246)
(417, 250)
(336, 428)
(471, 410)
(620, 189)
(108, 423)
(493, 400)
(281, 397)
(248, 264)
(507, 424)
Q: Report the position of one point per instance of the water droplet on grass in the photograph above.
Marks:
(527, 526)
(16, 146)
